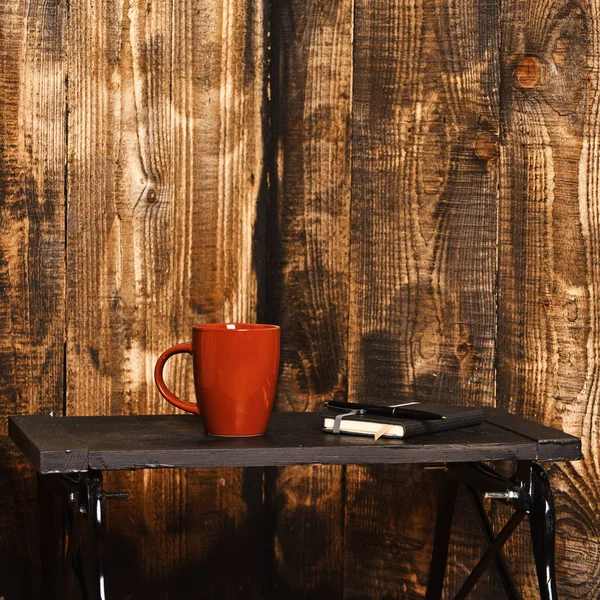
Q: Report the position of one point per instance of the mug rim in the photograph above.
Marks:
(234, 327)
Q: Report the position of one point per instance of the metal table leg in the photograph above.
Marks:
(70, 506)
(541, 523)
(528, 493)
(97, 516)
(446, 501)
(505, 578)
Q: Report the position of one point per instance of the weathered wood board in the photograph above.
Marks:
(32, 260)
(423, 259)
(307, 277)
(549, 260)
(165, 141)
(32, 171)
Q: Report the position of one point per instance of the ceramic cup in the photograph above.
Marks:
(235, 376)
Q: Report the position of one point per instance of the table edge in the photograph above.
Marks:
(52, 457)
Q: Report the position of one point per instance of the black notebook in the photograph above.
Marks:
(393, 427)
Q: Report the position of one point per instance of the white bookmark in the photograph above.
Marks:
(386, 428)
(382, 431)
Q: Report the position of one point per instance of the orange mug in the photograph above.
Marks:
(235, 376)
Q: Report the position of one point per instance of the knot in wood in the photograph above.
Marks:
(486, 145)
(463, 349)
(152, 196)
(528, 72)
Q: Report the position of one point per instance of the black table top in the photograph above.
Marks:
(75, 444)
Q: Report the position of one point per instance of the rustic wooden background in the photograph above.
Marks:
(409, 187)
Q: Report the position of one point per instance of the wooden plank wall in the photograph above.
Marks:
(409, 187)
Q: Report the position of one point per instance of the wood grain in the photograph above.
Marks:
(308, 293)
(422, 294)
(32, 165)
(32, 291)
(549, 261)
(148, 120)
(166, 112)
(307, 277)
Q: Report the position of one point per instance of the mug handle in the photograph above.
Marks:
(160, 382)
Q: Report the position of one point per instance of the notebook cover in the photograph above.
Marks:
(456, 417)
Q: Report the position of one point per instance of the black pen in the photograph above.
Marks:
(386, 411)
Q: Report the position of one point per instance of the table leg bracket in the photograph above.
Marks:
(71, 506)
(528, 492)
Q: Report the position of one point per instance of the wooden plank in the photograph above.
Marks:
(173, 441)
(569, 450)
(381, 527)
(166, 105)
(550, 442)
(548, 325)
(48, 446)
(32, 166)
(423, 248)
(487, 446)
(424, 203)
(529, 429)
(307, 276)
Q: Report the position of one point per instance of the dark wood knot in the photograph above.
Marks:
(463, 349)
(486, 145)
(528, 72)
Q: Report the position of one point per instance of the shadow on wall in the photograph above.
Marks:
(389, 372)
(19, 578)
(214, 576)
(19, 567)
